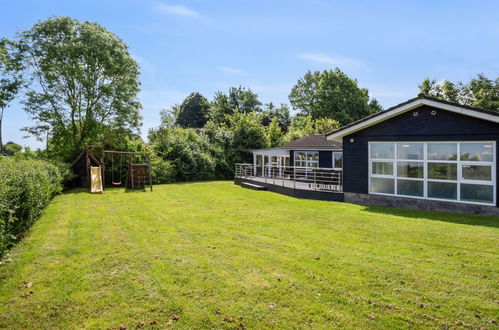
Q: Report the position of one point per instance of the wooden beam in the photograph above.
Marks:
(125, 152)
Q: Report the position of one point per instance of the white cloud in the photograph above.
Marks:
(228, 69)
(177, 10)
(337, 61)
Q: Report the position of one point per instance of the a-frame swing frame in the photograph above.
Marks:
(129, 180)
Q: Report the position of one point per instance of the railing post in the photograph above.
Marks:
(341, 182)
(294, 177)
(315, 181)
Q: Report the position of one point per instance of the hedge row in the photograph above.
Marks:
(26, 187)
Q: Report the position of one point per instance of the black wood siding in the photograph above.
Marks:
(326, 159)
(443, 126)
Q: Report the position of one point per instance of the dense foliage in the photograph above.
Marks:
(10, 148)
(27, 186)
(187, 153)
(480, 92)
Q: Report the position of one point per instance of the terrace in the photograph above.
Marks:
(311, 182)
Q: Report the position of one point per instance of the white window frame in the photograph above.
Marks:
(333, 164)
(459, 163)
(307, 161)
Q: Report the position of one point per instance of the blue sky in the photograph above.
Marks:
(210, 45)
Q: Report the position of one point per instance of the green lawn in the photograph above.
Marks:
(216, 255)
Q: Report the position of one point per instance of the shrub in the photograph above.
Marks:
(162, 170)
(27, 187)
(186, 151)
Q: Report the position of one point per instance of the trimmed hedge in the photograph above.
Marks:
(26, 187)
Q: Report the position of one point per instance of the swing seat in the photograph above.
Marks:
(116, 183)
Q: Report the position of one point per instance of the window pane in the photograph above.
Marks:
(410, 169)
(442, 171)
(481, 152)
(383, 168)
(410, 150)
(410, 188)
(477, 193)
(313, 164)
(379, 185)
(337, 159)
(442, 190)
(299, 155)
(382, 150)
(313, 156)
(476, 172)
(442, 151)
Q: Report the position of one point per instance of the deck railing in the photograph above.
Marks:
(296, 177)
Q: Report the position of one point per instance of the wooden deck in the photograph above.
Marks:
(290, 188)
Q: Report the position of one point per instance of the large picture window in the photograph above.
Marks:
(307, 158)
(454, 171)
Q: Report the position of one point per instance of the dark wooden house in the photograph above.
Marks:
(424, 153)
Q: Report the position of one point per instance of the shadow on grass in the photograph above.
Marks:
(464, 219)
(72, 191)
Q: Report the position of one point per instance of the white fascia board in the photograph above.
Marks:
(271, 152)
(377, 119)
(464, 111)
(407, 107)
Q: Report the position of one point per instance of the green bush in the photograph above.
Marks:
(162, 170)
(186, 153)
(27, 185)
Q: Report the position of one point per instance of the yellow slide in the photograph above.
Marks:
(95, 180)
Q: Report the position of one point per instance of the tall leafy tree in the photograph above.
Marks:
(240, 99)
(244, 100)
(85, 84)
(281, 113)
(11, 80)
(331, 94)
(193, 112)
(480, 92)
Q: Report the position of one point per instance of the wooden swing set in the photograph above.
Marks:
(92, 171)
